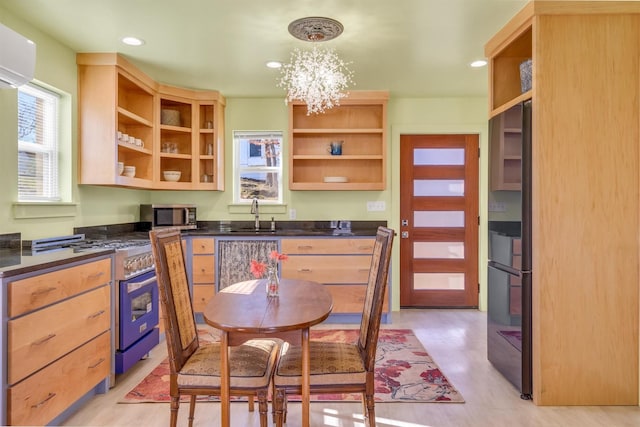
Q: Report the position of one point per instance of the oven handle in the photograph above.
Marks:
(132, 286)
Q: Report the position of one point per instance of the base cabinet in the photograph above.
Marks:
(202, 271)
(341, 264)
(59, 341)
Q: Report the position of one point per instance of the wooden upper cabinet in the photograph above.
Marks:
(122, 115)
(360, 122)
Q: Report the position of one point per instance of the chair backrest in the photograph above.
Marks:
(374, 297)
(175, 299)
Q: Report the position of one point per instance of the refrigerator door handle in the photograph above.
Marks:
(505, 268)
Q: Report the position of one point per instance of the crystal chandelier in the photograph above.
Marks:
(317, 77)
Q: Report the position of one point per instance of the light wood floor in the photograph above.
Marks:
(456, 339)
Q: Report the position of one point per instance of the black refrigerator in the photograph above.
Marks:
(509, 268)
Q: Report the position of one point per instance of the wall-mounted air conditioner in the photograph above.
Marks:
(17, 58)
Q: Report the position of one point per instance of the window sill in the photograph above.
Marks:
(29, 210)
(265, 208)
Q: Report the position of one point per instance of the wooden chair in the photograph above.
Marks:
(195, 366)
(341, 367)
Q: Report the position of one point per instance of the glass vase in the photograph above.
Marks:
(273, 282)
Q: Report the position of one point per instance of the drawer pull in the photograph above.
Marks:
(305, 246)
(364, 270)
(43, 340)
(97, 363)
(96, 275)
(44, 291)
(48, 398)
(368, 248)
(94, 315)
(304, 270)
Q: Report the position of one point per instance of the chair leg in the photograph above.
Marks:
(192, 409)
(279, 399)
(175, 404)
(263, 407)
(370, 411)
(251, 404)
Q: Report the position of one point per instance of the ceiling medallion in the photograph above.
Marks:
(317, 77)
(315, 29)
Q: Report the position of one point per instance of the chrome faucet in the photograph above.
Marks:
(255, 211)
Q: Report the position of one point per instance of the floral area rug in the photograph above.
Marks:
(404, 372)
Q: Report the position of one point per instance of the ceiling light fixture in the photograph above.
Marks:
(132, 41)
(479, 63)
(317, 77)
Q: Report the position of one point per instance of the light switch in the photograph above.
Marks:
(292, 214)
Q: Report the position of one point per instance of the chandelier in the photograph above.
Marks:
(317, 77)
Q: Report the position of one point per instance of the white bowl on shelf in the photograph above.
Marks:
(120, 168)
(172, 176)
(129, 171)
(336, 179)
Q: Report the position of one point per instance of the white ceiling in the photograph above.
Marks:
(413, 48)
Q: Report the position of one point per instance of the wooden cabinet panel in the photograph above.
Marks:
(39, 338)
(350, 298)
(202, 246)
(203, 269)
(201, 296)
(328, 268)
(44, 395)
(38, 291)
(327, 246)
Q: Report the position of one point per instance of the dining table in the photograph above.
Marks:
(243, 311)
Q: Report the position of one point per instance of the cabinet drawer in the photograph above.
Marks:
(350, 298)
(201, 296)
(43, 396)
(327, 246)
(35, 292)
(37, 339)
(203, 269)
(202, 246)
(328, 268)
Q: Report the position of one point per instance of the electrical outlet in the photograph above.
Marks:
(497, 207)
(377, 206)
(292, 214)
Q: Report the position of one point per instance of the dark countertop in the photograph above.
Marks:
(285, 229)
(16, 262)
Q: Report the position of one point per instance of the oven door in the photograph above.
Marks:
(138, 308)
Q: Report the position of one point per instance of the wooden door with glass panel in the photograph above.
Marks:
(439, 221)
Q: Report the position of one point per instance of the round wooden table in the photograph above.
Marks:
(243, 311)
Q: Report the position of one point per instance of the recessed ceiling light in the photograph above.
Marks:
(478, 63)
(132, 41)
(274, 64)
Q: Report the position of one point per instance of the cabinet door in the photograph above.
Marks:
(38, 291)
(40, 398)
(328, 268)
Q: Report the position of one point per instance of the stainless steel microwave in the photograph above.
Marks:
(165, 216)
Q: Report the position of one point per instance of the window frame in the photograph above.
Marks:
(51, 108)
(253, 164)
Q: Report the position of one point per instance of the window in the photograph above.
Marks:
(258, 166)
(37, 144)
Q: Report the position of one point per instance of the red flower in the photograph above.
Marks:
(258, 268)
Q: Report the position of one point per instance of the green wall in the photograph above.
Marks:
(90, 205)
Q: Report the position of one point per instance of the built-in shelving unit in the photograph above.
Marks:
(133, 125)
(360, 122)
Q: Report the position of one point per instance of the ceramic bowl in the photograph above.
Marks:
(120, 168)
(129, 171)
(171, 175)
